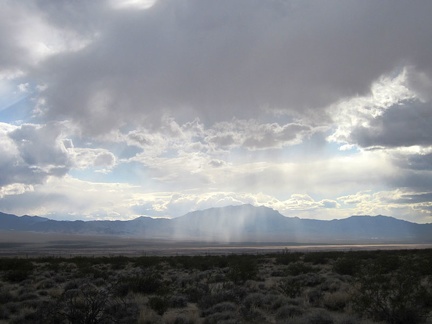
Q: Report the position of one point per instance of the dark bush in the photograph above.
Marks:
(197, 292)
(398, 297)
(147, 283)
(288, 257)
(320, 257)
(178, 301)
(220, 308)
(297, 268)
(290, 287)
(5, 296)
(347, 266)
(16, 270)
(289, 311)
(319, 316)
(158, 304)
(242, 269)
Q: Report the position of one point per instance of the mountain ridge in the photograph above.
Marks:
(237, 224)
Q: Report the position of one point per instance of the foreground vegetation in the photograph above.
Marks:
(286, 287)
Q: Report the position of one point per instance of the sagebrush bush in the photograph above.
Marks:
(336, 301)
(318, 287)
(289, 311)
(158, 304)
(398, 297)
(297, 268)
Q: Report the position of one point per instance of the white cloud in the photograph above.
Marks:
(132, 4)
(14, 189)
(100, 159)
(361, 111)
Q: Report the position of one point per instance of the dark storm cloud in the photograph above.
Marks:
(420, 162)
(219, 59)
(402, 125)
(415, 198)
(12, 54)
(412, 179)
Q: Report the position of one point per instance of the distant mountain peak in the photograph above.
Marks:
(238, 223)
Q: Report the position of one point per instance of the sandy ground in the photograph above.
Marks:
(31, 244)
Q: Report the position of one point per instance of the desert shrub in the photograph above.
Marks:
(179, 319)
(147, 261)
(117, 262)
(199, 262)
(242, 269)
(147, 283)
(331, 284)
(288, 311)
(387, 263)
(314, 297)
(5, 296)
(309, 279)
(297, 268)
(4, 312)
(274, 302)
(347, 265)
(336, 301)
(254, 300)
(252, 315)
(223, 317)
(158, 304)
(99, 282)
(28, 296)
(290, 287)
(320, 257)
(220, 308)
(317, 316)
(16, 270)
(178, 301)
(232, 295)
(43, 293)
(87, 304)
(288, 257)
(73, 284)
(277, 273)
(196, 292)
(399, 297)
(46, 284)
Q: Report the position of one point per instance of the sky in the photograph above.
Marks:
(113, 109)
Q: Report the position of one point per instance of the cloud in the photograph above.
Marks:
(215, 102)
(401, 203)
(252, 135)
(100, 159)
(420, 161)
(403, 125)
(224, 60)
(31, 153)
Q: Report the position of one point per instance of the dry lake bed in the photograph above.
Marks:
(14, 243)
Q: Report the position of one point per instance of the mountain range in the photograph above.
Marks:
(244, 223)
